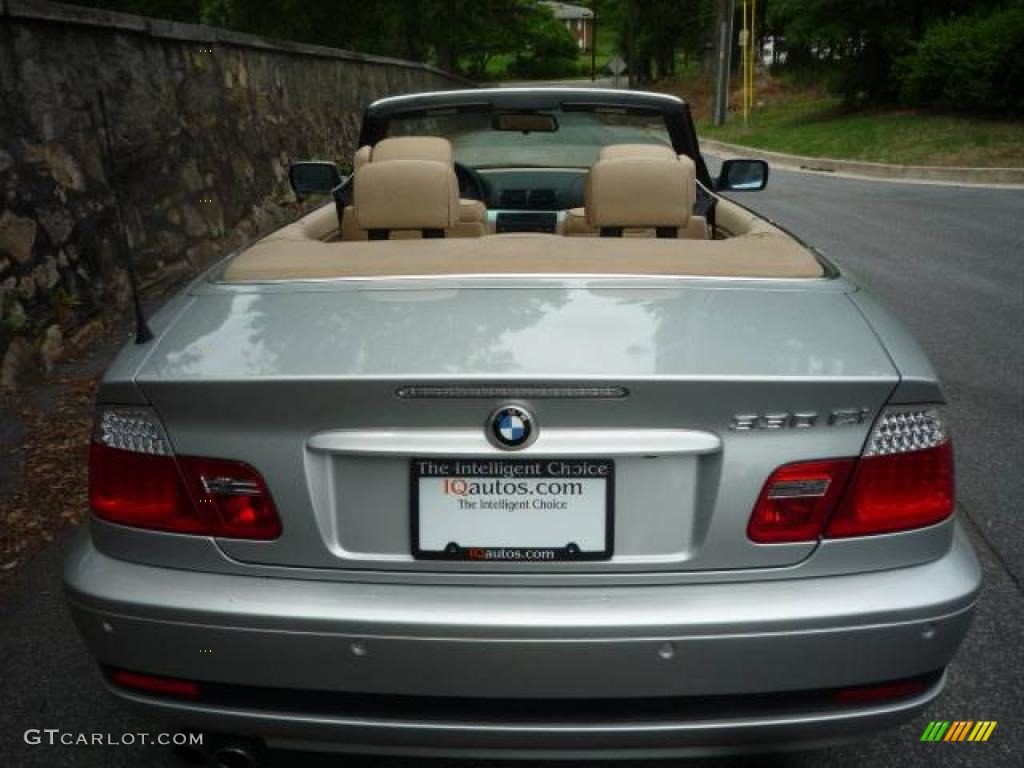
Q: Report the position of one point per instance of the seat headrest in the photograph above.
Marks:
(641, 192)
(618, 151)
(406, 194)
(361, 157)
(413, 148)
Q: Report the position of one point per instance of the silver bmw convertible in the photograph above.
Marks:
(527, 442)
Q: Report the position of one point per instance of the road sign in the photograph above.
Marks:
(616, 65)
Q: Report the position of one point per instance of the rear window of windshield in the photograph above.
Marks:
(575, 144)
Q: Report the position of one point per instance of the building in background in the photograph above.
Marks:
(577, 19)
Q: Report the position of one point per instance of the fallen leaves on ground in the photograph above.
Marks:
(51, 491)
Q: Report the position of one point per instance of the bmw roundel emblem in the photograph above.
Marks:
(511, 427)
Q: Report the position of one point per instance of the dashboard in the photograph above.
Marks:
(530, 200)
(536, 199)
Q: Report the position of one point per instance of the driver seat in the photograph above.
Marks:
(472, 214)
(577, 222)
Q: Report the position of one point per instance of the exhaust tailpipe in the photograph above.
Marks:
(236, 755)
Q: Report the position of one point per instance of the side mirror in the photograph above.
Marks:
(742, 176)
(312, 177)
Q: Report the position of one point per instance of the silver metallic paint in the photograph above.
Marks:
(298, 379)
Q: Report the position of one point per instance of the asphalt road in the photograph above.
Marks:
(948, 260)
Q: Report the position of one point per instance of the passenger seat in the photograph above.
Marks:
(646, 193)
(625, 151)
(577, 224)
(472, 214)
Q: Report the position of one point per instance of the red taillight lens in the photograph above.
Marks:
(796, 500)
(140, 489)
(134, 479)
(897, 492)
(154, 684)
(235, 499)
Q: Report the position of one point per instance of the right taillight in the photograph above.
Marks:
(904, 478)
(136, 480)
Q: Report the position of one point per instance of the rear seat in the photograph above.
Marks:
(696, 227)
(471, 220)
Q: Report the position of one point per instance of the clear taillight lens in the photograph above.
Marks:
(904, 429)
(903, 480)
(135, 479)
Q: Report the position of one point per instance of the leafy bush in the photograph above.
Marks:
(971, 61)
(551, 51)
(538, 68)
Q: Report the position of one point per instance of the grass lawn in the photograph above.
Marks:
(817, 126)
(605, 50)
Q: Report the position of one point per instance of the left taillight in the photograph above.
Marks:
(135, 479)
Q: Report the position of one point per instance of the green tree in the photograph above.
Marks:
(968, 62)
(493, 27)
(549, 49)
(650, 33)
(859, 42)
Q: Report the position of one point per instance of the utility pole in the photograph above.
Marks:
(630, 46)
(723, 43)
(593, 40)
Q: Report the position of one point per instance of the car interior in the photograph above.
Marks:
(551, 201)
(409, 188)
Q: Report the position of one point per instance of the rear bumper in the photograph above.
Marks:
(536, 644)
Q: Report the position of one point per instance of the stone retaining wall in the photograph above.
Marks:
(205, 122)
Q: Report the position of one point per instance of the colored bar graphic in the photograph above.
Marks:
(935, 730)
(982, 730)
(958, 730)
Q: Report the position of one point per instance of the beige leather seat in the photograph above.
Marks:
(399, 196)
(619, 151)
(472, 218)
(577, 221)
(361, 157)
(645, 193)
(413, 148)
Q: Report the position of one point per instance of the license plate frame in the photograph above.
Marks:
(496, 551)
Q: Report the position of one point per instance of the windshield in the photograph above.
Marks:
(574, 144)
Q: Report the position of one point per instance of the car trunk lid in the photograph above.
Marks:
(311, 385)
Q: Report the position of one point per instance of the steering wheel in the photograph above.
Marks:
(471, 183)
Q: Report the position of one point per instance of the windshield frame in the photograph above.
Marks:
(674, 111)
(575, 142)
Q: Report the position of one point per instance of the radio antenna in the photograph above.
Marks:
(142, 332)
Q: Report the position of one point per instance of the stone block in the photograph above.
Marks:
(16, 360)
(17, 236)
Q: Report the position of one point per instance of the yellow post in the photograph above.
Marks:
(747, 70)
(745, 46)
(753, 48)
